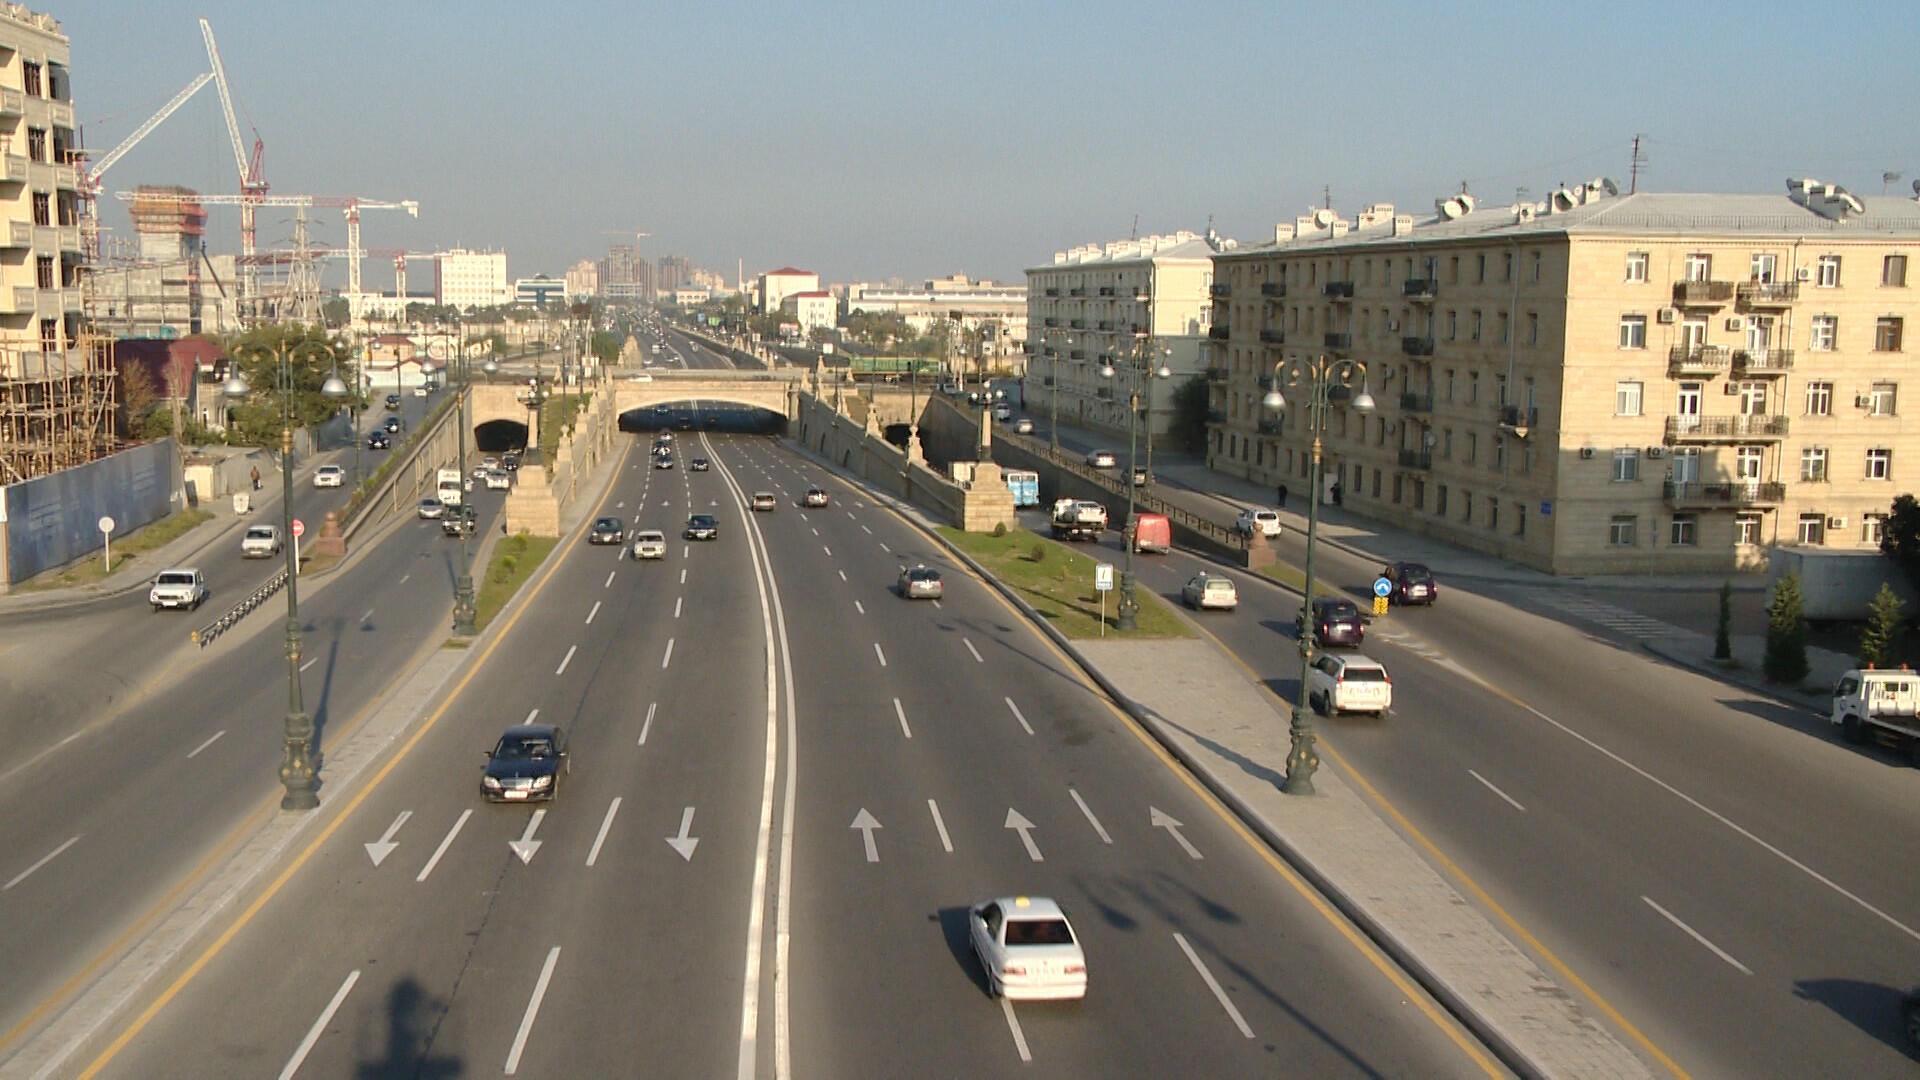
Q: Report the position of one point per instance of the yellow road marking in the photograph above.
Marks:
(253, 909)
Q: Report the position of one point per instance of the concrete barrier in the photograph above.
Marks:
(51, 520)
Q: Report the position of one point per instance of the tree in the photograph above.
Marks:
(333, 312)
(1900, 536)
(1189, 424)
(1786, 656)
(259, 417)
(1722, 631)
(606, 346)
(1883, 625)
(138, 395)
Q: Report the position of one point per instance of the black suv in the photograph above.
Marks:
(379, 440)
(460, 520)
(1412, 583)
(1336, 621)
(701, 527)
(393, 402)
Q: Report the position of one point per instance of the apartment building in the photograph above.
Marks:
(468, 279)
(772, 288)
(1592, 384)
(43, 260)
(991, 314)
(583, 280)
(1117, 304)
(816, 309)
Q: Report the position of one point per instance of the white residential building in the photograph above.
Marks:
(815, 310)
(772, 288)
(993, 314)
(583, 280)
(471, 279)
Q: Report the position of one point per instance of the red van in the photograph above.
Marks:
(1151, 532)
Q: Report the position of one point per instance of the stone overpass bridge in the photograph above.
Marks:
(502, 418)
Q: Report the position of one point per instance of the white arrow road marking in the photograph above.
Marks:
(313, 1033)
(878, 653)
(1013, 1025)
(595, 611)
(526, 847)
(902, 714)
(44, 860)
(1163, 820)
(940, 826)
(1091, 820)
(593, 853)
(445, 843)
(648, 726)
(215, 737)
(977, 658)
(564, 661)
(667, 659)
(1214, 985)
(383, 847)
(1028, 728)
(1697, 936)
(533, 1010)
(683, 843)
(1025, 828)
(866, 824)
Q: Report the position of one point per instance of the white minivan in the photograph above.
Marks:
(1254, 519)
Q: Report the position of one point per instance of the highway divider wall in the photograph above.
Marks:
(51, 520)
(856, 447)
(411, 472)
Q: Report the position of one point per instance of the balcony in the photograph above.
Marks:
(13, 167)
(1216, 374)
(1338, 290)
(1340, 341)
(1702, 293)
(1104, 393)
(60, 114)
(1519, 420)
(1416, 459)
(1077, 354)
(1752, 294)
(1272, 426)
(1725, 428)
(1216, 416)
(67, 238)
(23, 298)
(1053, 323)
(1051, 351)
(1420, 290)
(1747, 493)
(19, 234)
(1697, 360)
(1273, 290)
(1220, 290)
(1046, 380)
(1273, 337)
(1416, 346)
(1412, 402)
(1217, 332)
(1077, 291)
(13, 103)
(1106, 290)
(1763, 361)
(1105, 325)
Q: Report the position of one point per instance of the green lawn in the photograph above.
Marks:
(126, 549)
(1059, 584)
(556, 418)
(514, 561)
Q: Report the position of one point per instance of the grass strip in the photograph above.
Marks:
(1057, 581)
(556, 420)
(127, 549)
(514, 561)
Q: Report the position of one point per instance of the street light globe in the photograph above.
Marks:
(1274, 401)
(1364, 402)
(1165, 372)
(1106, 371)
(490, 368)
(235, 386)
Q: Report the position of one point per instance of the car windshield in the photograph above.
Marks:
(1364, 674)
(429, 502)
(1221, 585)
(607, 523)
(701, 521)
(176, 579)
(260, 532)
(923, 574)
(650, 538)
(524, 748)
(1038, 932)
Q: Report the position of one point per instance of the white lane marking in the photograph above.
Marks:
(676, 606)
(902, 714)
(445, 843)
(1013, 1025)
(936, 603)
(668, 658)
(609, 583)
(940, 826)
(843, 575)
(1489, 786)
(44, 860)
(533, 1010)
(595, 611)
(866, 823)
(1213, 984)
(866, 530)
(568, 659)
(977, 658)
(683, 575)
(310, 663)
(313, 1033)
(1091, 820)
(1163, 820)
(858, 606)
(648, 726)
(816, 532)
(850, 516)
(685, 550)
(878, 653)
(383, 847)
(531, 713)
(215, 737)
(1697, 936)
(885, 548)
(1019, 823)
(803, 516)
(1028, 728)
(593, 853)
(404, 577)
(368, 617)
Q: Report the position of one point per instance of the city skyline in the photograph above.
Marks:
(866, 146)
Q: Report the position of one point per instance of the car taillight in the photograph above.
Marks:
(1014, 969)
(1076, 969)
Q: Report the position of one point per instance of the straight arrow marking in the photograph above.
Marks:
(1163, 820)
(383, 847)
(526, 846)
(1020, 824)
(866, 823)
(683, 843)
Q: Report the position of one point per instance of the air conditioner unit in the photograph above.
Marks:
(1665, 315)
(1586, 452)
(1732, 389)
(1801, 273)
(1393, 326)
(1735, 323)
(1863, 401)
(1656, 451)
(1836, 523)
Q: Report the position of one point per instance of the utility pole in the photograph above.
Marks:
(1633, 166)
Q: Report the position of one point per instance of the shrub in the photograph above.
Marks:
(1037, 553)
(999, 528)
(1883, 622)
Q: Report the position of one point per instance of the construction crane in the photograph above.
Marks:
(253, 171)
(90, 182)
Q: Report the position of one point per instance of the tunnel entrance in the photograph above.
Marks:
(499, 436)
(704, 416)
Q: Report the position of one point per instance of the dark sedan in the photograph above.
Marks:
(701, 527)
(525, 765)
(1412, 583)
(607, 530)
(379, 440)
(1335, 622)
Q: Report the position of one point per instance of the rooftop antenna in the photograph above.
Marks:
(1135, 234)
(1633, 168)
(1326, 196)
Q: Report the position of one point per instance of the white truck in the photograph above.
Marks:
(448, 486)
(1078, 519)
(1881, 705)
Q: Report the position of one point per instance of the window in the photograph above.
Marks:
(1474, 330)
(1699, 267)
(1753, 397)
(1499, 454)
(1813, 464)
(1479, 269)
(1763, 267)
(1503, 328)
(37, 143)
(1506, 267)
(1637, 266)
(1880, 463)
(30, 78)
(1473, 447)
(1453, 325)
(1684, 531)
(1882, 399)
(1535, 260)
(1449, 384)
(1893, 271)
(1519, 519)
(1440, 501)
(1626, 465)
(1446, 445)
(42, 209)
(1493, 513)
(1621, 529)
(1500, 390)
(1886, 333)
(1747, 463)
(1746, 528)
(1819, 399)
(1813, 529)
(43, 271)
(1453, 270)
(1826, 331)
(1473, 388)
(1466, 507)
(1526, 458)
(1533, 328)
(1872, 528)
(1627, 396)
(1828, 275)
(1633, 331)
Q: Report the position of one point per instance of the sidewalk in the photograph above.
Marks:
(1824, 666)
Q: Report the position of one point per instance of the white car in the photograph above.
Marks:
(649, 544)
(1102, 459)
(1348, 682)
(498, 480)
(1028, 949)
(329, 476)
(421, 390)
(178, 588)
(1205, 592)
(260, 542)
(1253, 519)
(1023, 426)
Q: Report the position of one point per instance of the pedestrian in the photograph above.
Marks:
(1283, 496)
(1335, 492)
(255, 474)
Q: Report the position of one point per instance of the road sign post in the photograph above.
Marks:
(106, 536)
(1382, 588)
(299, 529)
(1103, 583)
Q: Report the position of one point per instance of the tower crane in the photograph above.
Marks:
(253, 171)
(90, 185)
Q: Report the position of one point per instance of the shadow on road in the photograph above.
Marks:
(1871, 1007)
(953, 927)
(412, 1019)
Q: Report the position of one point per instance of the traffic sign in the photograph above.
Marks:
(1382, 588)
(299, 528)
(1379, 605)
(106, 524)
(1103, 577)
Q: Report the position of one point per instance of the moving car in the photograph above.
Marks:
(460, 520)
(393, 425)
(510, 462)
(815, 497)
(430, 509)
(379, 440)
(489, 462)
(699, 464)
(764, 501)
(664, 461)
(498, 481)
(393, 402)
(260, 542)
(701, 527)
(1023, 426)
(921, 583)
(1152, 532)
(422, 390)
(1002, 411)
(1257, 520)
(1336, 621)
(1204, 591)
(179, 588)
(1028, 949)
(525, 765)
(607, 530)
(1140, 476)
(649, 544)
(1102, 459)
(1412, 583)
(1348, 682)
(329, 476)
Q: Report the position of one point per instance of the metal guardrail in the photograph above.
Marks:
(206, 634)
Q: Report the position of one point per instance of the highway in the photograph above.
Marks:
(699, 897)
(1668, 837)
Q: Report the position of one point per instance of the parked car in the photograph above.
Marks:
(329, 476)
(701, 527)
(1205, 591)
(430, 509)
(649, 544)
(1102, 459)
(764, 501)
(379, 440)
(1255, 519)
(525, 765)
(1336, 621)
(1412, 583)
(260, 542)
(1348, 682)
(178, 588)
(921, 583)
(1028, 949)
(815, 497)
(607, 530)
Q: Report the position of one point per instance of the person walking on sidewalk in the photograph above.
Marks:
(1334, 492)
(256, 477)
(1283, 496)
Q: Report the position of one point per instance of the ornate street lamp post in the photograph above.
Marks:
(1324, 380)
(1128, 614)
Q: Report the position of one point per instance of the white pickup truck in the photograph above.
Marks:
(1078, 519)
(179, 588)
(1882, 705)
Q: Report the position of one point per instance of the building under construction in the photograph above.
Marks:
(164, 284)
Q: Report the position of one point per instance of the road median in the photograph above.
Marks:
(1057, 582)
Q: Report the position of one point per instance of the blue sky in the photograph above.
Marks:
(869, 140)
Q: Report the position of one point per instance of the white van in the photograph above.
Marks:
(449, 486)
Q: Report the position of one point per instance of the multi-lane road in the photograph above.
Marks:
(699, 900)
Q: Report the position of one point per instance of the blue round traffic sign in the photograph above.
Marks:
(1382, 587)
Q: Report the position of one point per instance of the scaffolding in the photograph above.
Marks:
(56, 406)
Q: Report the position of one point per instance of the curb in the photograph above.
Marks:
(1719, 676)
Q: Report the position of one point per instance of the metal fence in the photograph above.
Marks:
(206, 634)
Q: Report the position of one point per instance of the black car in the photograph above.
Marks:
(510, 461)
(664, 461)
(379, 440)
(607, 530)
(1412, 583)
(393, 425)
(699, 464)
(1336, 621)
(459, 520)
(393, 402)
(525, 765)
(701, 527)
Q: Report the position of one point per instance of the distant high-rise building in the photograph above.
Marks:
(675, 272)
(583, 280)
(626, 275)
(471, 279)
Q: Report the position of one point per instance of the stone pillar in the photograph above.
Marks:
(1260, 554)
(331, 540)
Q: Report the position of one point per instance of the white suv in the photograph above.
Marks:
(1253, 519)
(329, 476)
(180, 588)
(1348, 682)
